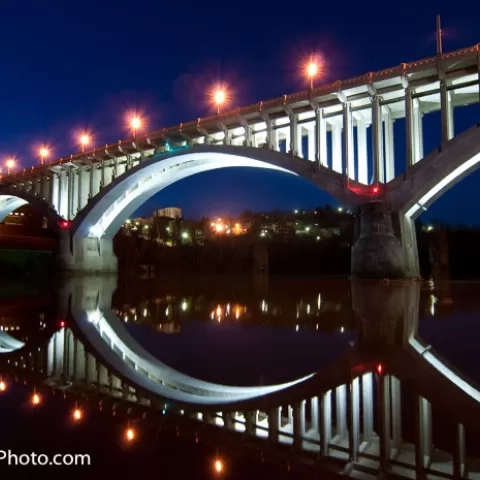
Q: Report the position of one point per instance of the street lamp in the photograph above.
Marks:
(84, 141)
(135, 124)
(313, 68)
(44, 152)
(10, 163)
(219, 97)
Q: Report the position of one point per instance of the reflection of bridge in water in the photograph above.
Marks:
(372, 410)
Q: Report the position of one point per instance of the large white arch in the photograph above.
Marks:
(105, 214)
(9, 344)
(434, 175)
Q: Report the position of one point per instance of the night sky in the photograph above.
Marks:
(67, 66)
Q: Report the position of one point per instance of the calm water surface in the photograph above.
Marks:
(233, 331)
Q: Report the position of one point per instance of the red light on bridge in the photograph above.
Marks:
(61, 324)
(375, 189)
(64, 223)
(379, 368)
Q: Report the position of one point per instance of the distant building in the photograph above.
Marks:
(170, 212)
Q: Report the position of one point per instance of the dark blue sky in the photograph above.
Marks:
(71, 65)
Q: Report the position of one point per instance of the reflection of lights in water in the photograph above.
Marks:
(130, 434)
(184, 306)
(308, 309)
(167, 310)
(297, 328)
(264, 306)
(342, 329)
(77, 414)
(218, 465)
(319, 301)
(35, 399)
(3, 386)
(220, 312)
(145, 312)
(433, 300)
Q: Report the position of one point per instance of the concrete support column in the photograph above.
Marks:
(248, 135)
(298, 423)
(227, 137)
(367, 407)
(377, 139)
(274, 418)
(348, 153)
(79, 190)
(389, 147)
(337, 147)
(396, 412)
(459, 455)
(320, 138)
(294, 137)
(325, 425)
(53, 199)
(384, 420)
(86, 254)
(341, 411)
(354, 419)
(91, 180)
(418, 130)
(272, 136)
(314, 417)
(362, 154)
(409, 127)
(377, 252)
(311, 143)
(446, 112)
(423, 434)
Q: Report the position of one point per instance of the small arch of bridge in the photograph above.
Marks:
(12, 198)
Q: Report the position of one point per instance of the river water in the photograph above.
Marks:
(239, 331)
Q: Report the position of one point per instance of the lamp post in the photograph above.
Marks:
(84, 141)
(44, 152)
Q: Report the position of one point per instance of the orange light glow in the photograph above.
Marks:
(44, 152)
(3, 386)
(77, 414)
(84, 140)
(35, 399)
(10, 163)
(130, 434)
(218, 466)
(135, 123)
(313, 68)
(375, 189)
(219, 227)
(220, 96)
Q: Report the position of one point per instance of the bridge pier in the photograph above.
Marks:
(385, 244)
(86, 255)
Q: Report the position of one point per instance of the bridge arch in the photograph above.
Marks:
(105, 214)
(437, 173)
(89, 248)
(12, 198)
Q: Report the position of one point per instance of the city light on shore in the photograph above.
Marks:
(10, 164)
(43, 152)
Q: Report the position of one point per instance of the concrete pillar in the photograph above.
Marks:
(384, 420)
(348, 153)
(53, 199)
(337, 147)
(409, 127)
(377, 252)
(396, 412)
(86, 254)
(325, 426)
(377, 138)
(354, 419)
(320, 138)
(418, 130)
(389, 147)
(367, 407)
(459, 456)
(362, 154)
(446, 112)
(272, 136)
(423, 434)
(274, 418)
(311, 143)
(294, 137)
(341, 411)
